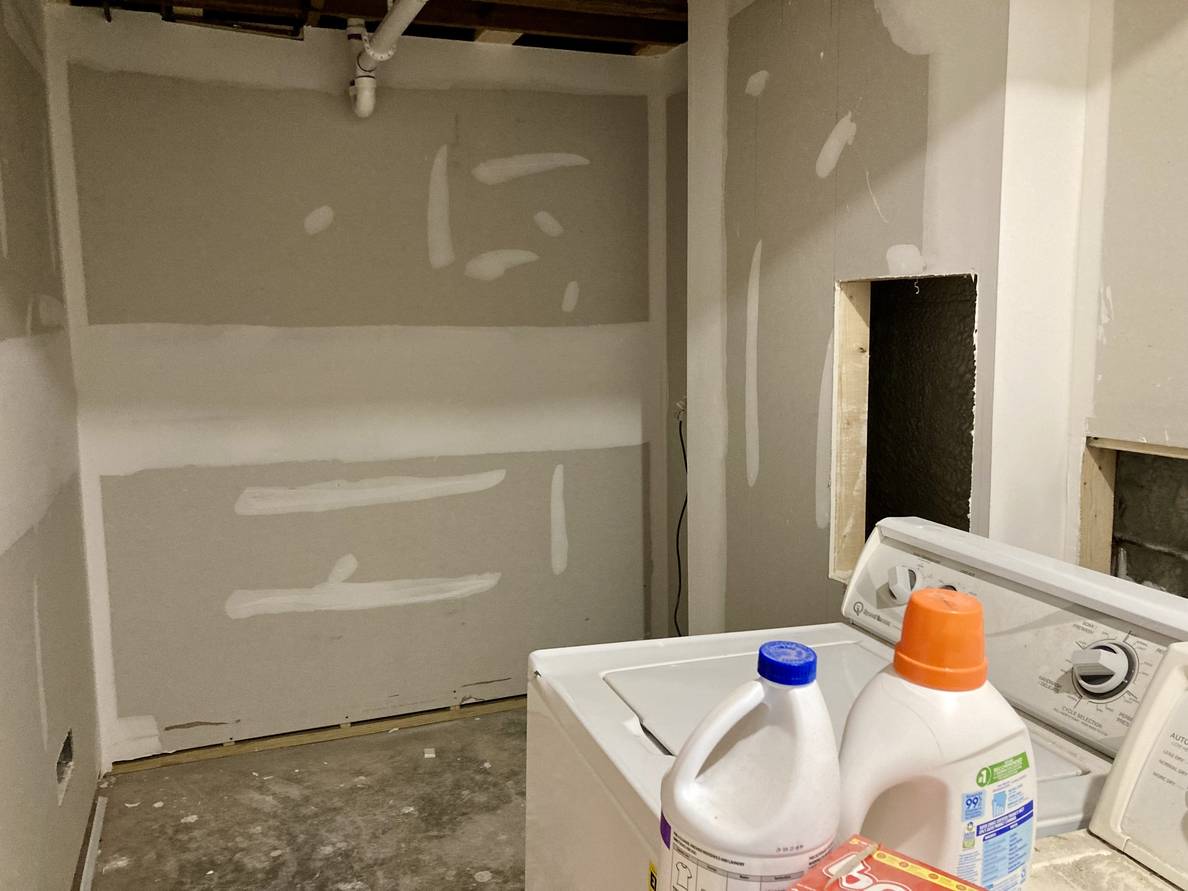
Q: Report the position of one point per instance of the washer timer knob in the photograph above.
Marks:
(1102, 670)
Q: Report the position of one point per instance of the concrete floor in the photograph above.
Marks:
(360, 814)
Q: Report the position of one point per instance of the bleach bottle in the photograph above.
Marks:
(751, 802)
(935, 762)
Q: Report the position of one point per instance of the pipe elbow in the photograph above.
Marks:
(363, 95)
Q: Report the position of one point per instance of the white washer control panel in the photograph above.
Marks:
(1063, 658)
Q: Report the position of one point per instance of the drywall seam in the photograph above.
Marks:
(708, 28)
(261, 501)
(558, 531)
(751, 387)
(3, 214)
(37, 430)
(655, 427)
(145, 44)
(494, 171)
(150, 397)
(1043, 156)
(336, 594)
(1089, 256)
(441, 241)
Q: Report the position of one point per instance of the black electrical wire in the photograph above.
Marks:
(680, 522)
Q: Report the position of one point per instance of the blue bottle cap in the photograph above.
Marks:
(788, 663)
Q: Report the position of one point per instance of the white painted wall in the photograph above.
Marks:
(1043, 158)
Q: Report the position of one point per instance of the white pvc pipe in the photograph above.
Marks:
(370, 50)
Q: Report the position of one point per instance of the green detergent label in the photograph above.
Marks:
(1003, 770)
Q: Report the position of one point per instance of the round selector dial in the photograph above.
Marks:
(1103, 669)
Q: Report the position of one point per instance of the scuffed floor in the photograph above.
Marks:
(361, 814)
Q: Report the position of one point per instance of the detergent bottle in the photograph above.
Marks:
(934, 761)
(752, 798)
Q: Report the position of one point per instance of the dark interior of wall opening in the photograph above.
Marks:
(919, 450)
(66, 758)
(1150, 543)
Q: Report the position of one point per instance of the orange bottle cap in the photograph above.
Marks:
(943, 644)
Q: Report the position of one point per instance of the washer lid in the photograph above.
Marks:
(671, 698)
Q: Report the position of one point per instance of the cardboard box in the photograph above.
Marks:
(883, 868)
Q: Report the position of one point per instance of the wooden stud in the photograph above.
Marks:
(484, 15)
(651, 49)
(1145, 448)
(493, 36)
(324, 734)
(851, 379)
(1097, 508)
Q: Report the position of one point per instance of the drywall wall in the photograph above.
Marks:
(365, 406)
(45, 654)
(864, 140)
(677, 235)
(1141, 390)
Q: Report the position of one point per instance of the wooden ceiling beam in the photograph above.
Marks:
(665, 10)
(483, 16)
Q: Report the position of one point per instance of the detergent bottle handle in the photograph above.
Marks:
(710, 731)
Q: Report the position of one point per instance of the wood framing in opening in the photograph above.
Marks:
(851, 379)
(1098, 475)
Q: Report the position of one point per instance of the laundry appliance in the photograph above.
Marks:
(1071, 649)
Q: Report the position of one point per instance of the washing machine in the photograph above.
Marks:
(1071, 649)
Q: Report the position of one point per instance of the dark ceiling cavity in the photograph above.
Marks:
(619, 27)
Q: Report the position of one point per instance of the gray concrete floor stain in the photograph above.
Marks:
(371, 813)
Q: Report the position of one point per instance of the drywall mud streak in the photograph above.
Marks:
(559, 531)
(340, 494)
(441, 241)
(501, 170)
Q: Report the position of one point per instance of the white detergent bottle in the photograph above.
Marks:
(934, 761)
(752, 799)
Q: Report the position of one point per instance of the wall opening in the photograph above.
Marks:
(904, 373)
(65, 765)
(1134, 513)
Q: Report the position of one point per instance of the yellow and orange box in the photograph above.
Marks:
(881, 866)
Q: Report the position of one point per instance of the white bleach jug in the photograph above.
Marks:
(752, 799)
(934, 761)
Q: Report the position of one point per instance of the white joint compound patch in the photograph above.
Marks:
(3, 215)
(559, 538)
(501, 170)
(441, 240)
(570, 301)
(751, 394)
(842, 135)
(548, 224)
(318, 220)
(37, 654)
(493, 264)
(904, 259)
(258, 501)
(757, 83)
(824, 437)
(338, 594)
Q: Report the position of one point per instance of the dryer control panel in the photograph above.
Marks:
(1071, 647)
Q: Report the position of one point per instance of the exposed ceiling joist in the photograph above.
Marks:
(552, 22)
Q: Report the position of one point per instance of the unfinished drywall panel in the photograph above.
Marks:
(1150, 530)
(871, 147)
(430, 217)
(677, 330)
(316, 593)
(1141, 378)
(919, 442)
(45, 652)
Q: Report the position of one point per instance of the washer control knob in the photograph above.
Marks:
(1103, 669)
(901, 582)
